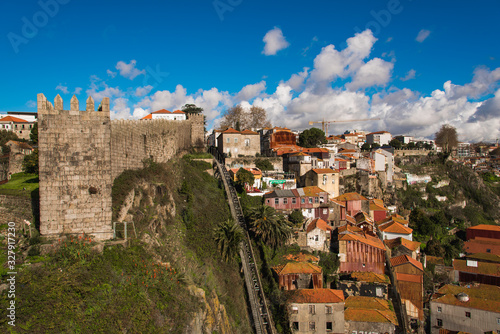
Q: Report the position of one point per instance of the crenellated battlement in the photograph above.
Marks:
(45, 107)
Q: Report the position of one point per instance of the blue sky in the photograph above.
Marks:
(413, 64)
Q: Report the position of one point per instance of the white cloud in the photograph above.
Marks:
(376, 72)
(274, 42)
(62, 88)
(99, 90)
(489, 109)
(142, 91)
(250, 91)
(410, 75)
(139, 113)
(31, 104)
(128, 70)
(422, 35)
(120, 109)
(111, 73)
(296, 81)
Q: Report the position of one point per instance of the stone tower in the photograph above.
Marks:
(75, 168)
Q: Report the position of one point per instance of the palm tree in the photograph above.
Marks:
(228, 236)
(272, 229)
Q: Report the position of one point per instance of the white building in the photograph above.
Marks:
(379, 137)
(176, 115)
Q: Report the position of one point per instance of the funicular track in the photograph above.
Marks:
(262, 318)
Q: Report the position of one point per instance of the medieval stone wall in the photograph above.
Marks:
(82, 152)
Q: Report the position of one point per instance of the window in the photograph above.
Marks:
(467, 314)
(312, 326)
(302, 200)
(488, 250)
(276, 201)
(295, 310)
(329, 326)
(312, 309)
(325, 211)
(328, 309)
(498, 321)
(247, 142)
(295, 325)
(440, 309)
(325, 178)
(310, 200)
(316, 238)
(316, 200)
(378, 292)
(235, 140)
(440, 322)
(294, 201)
(285, 200)
(333, 180)
(228, 140)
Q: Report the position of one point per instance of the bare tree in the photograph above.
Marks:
(238, 117)
(446, 137)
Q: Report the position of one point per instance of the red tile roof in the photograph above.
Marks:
(394, 227)
(350, 197)
(13, 119)
(316, 296)
(297, 268)
(162, 111)
(481, 296)
(409, 278)
(411, 245)
(377, 205)
(149, 116)
(20, 144)
(377, 133)
(230, 130)
(349, 228)
(312, 191)
(483, 268)
(370, 277)
(403, 259)
(318, 223)
(249, 132)
(325, 171)
(301, 257)
(366, 239)
(369, 309)
(485, 227)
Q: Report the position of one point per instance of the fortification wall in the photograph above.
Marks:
(75, 168)
(82, 152)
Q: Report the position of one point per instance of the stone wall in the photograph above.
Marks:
(82, 152)
(15, 209)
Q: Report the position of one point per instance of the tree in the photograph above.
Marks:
(296, 217)
(264, 164)
(228, 236)
(235, 116)
(446, 137)
(374, 146)
(34, 134)
(244, 177)
(192, 109)
(272, 229)
(395, 143)
(312, 138)
(365, 147)
(30, 163)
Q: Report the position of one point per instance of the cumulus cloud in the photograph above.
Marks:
(62, 88)
(296, 81)
(250, 91)
(111, 73)
(77, 91)
(142, 91)
(128, 71)
(274, 42)
(31, 104)
(422, 35)
(489, 109)
(99, 89)
(120, 109)
(376, 72)
(410, 75)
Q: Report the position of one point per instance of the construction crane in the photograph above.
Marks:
(324, 124)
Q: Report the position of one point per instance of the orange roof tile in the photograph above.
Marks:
(488, 257)
(409, 278)
(301, 257)
(178, 112)
(403, 259)
(377, 205)
(481, 296)
(13, 119)
(297, 268)
(20, 144)
(350, 197)
(162, 111)
(411, 245)
(483, 268)
(230, 130)
(325, 171)
(342, 204)
(315, 150)
(485, 227)
(317, 296)
(369, 309)
(394, 227)
(312, 191)
(318, 223)
(349, 228)
(350, 219)
(149, 116)
(370, 277)
(367, 240)
(249, 132)
(378, 132)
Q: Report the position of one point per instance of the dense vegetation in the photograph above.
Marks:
(148, 286)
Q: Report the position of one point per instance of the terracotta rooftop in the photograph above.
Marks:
(411, 245)
(370, 277)
(162, 111)
(482, 227)
(403, 259)
(342, 204)
(485, 257)
(148, 116)
(377, 205)
(483, 268)
(297, 268)
(311, 191)
(349, 228)
(366, 239)
(178, 112)
(395, 227)
(481, 296)
(318, 223)
(230, 130)
(249, 132)
(20, 144)
(316, 296)
(350, 219)
(369, 309)
(13, 119)
(325, 171)
(377, 133)
(409, 278)
(301, 257)
(350, 197)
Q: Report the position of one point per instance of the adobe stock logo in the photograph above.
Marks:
(40, 19)
(383, 17)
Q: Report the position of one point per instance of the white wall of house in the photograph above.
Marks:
(316, 239)
(390, 236)
(172, 116)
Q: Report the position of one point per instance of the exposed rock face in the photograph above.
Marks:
(212, 318)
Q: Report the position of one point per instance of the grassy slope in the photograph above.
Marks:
(124, 289)
(20, 184)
